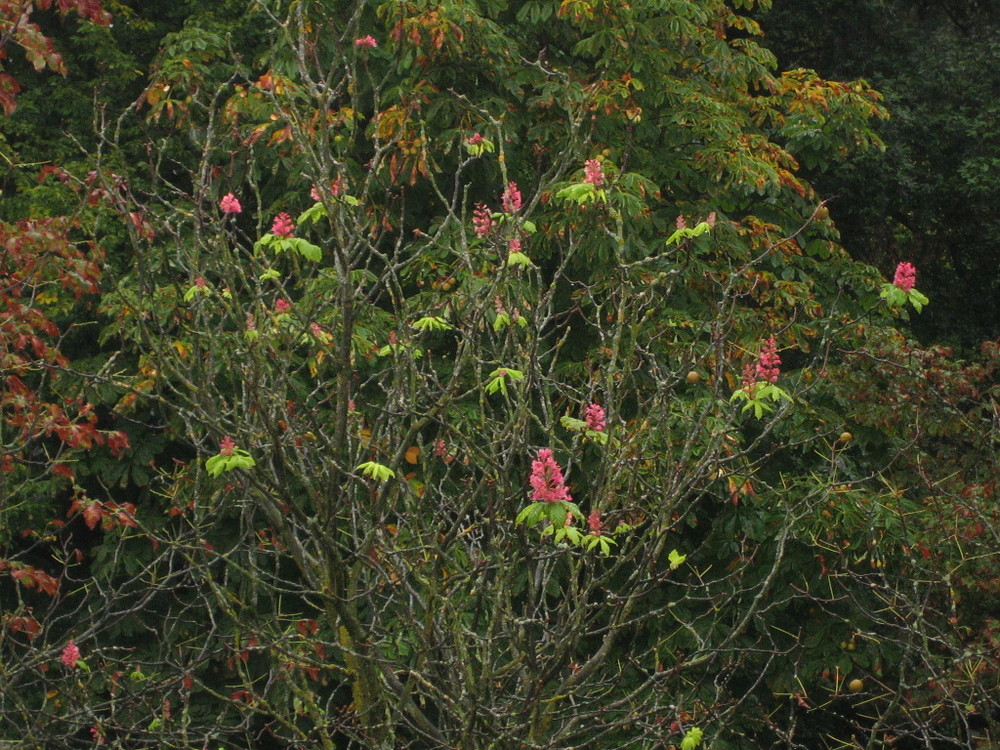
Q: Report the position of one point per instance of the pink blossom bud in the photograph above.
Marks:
(366, 41)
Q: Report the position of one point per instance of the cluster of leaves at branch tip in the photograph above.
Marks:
(374, 470)
(497, 380)
(692, 738)
(476, 145)
(229, 458)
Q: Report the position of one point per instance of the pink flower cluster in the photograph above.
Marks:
(366, 41)
(594, 415)
(511, 199)
(769, 363)
(475, 139)
(230, 204)
(595, 523)
(227, 446)
(282, 305)
(547, 483)
(482, 220)
(336, 188)
(767, 368)
(283, 225)
(514, 245)
(906, 276)
(593, 173)
(70, 655)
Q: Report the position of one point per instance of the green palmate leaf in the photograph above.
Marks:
(570, 534)
(498, 379)
(504, 320)
(917, 299)
(892, 294)
(314, 213)
(305, 249)
(195, 290)
(484, 146)
(293, 244)
(676, 559)
(376, 471)
(432, 323)
(269, 274)
(763, 392)
(688, 232)
(692, 739)
(602, 543)
(582, 193)
(531, 514)
(596, 436)
(572, 423)
(238, 459)
(519, 260)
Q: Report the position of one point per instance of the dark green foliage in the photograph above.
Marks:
(929, 197)
(329, 530)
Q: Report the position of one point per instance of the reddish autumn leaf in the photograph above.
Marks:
(24, 624)
(31, 578)
(92, 515)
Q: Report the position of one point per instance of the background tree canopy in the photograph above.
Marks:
(929, 195)
(451, 374)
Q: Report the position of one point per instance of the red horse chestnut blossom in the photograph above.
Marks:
(366, 41)
(595, 523)
(769, 363)
(547, 481)
(511, 199)
(906, 276)
(594, 416)
(593, 173)
(227, 446)
(230, 204)
(70, 655)
(482, 220)
(283, 225)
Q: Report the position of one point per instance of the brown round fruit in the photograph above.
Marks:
(822, 213)
(855, 686)
(693, 377)
(846, 437)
